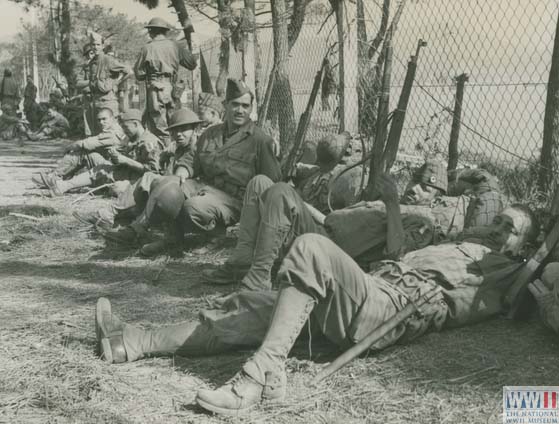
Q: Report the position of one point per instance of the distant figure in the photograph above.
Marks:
(329, 85)
(9, 94)
(29, 104)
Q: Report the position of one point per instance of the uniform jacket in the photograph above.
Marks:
(104, 72)
(9, 90)
(313, 184)
(56, 121)
(162, 56)
(112, 138)
(228, 163)
(145, 150)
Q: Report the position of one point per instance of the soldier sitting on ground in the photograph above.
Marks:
(207, 190)
(183, 127)
(126, 162)
(53, 125)
(85, 154)
(318, 279)
(277, 214)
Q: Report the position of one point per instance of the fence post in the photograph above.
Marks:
(456, 118)
(348, 64)
(550, 142)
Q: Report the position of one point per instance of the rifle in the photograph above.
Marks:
(518, 289)
(304, 121)
(399, 115)
(61, 88)
(374, 336)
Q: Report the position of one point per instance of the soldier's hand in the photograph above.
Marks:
(387, 189)
(72, 147)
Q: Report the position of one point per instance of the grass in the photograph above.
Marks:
(51, 278)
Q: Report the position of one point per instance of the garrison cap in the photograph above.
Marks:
(131, 115)
(235, 89)
(86, 48)
(182, 117)
(158, 23)
(95, 36)
(332, 148)
(211, 101)
(433, 173)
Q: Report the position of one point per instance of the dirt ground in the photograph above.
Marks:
(54, 268)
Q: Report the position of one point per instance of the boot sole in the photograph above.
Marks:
(103, 343)
(235, 412)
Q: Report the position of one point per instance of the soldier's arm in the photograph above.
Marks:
(139, 70)
(100, 141)
(186, 58)
(267, 162)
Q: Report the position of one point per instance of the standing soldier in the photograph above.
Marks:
(83, 85)
(29, 105)
(157, 65)
(9, 94)
(105, 74)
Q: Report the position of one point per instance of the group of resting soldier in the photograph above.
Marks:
(351, 269)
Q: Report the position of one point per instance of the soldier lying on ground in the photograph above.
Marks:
(184, 127)
(53, 125)
(276, 214)
(86, 153)
(126, 162)
(317, 278)
(207, 191)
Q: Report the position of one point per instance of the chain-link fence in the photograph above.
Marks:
(504, 47)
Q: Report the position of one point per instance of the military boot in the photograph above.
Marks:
(109, 329)
(58, 187)
(263, 378)
(228, 273)
(268, 244)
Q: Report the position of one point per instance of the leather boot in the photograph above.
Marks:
(228, 273)
(58, 187)
(108, 329)
(263, 378)
(268, 244)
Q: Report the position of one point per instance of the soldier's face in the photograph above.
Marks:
(131, 128)
(184, 136)
(238, 110)
(419, 194)
(208, 115)
(97, 47)
(105, 120)
(510, 231)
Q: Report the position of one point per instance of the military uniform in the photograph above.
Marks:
(9, 94)
(145, 150)
(55, 126)
(92, 152)
(104, 72)
(349, 302)
(29, 103)
(157, 65)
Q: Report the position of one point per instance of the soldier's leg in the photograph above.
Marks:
(316, 277)
(284, 216)
(209, 208)
(158, 97)
(238, 263)
(239, 320)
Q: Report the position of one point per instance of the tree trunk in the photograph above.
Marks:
(184, 19)
(225, 20)
(282, 100)
(67, 61)
(550, 145)
(248, 24)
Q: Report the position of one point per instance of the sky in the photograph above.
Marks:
(11, 15)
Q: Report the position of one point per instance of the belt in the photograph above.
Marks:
(232, 189)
